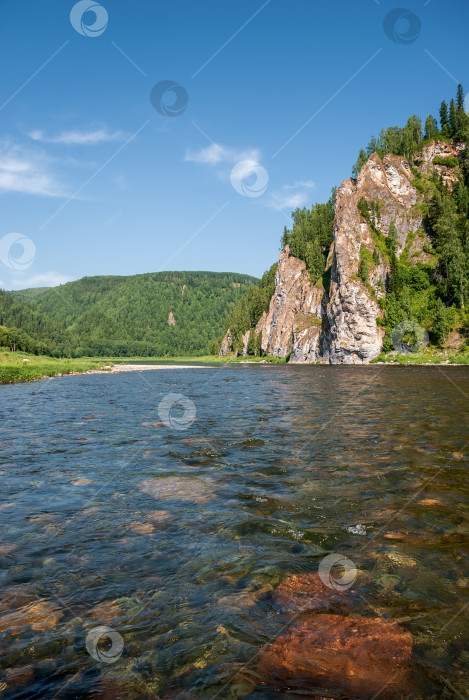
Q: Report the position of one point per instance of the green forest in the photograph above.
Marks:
(122, 316)
(435, 294)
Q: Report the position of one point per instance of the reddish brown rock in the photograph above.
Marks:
(307, 592)
(19, 676)
(106, 611)
(40, 615)
(356, 656)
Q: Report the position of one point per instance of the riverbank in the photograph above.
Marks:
(22, 367)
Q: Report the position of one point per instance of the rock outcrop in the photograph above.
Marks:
(340, 325)
(292, 326)
(352, 310)
(226, 344)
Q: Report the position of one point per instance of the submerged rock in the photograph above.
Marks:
(106, 611)
(357, 656)
(40, 615)
(141, 528)
(178, 488)
(307, 592)
(19, 676)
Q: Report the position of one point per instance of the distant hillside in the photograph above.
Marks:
(29, 329)
(160, 314)
(30, 293)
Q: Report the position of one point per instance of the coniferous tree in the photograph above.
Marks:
(361, 160)
(453, 118)
(443, 115)
(431, 127)
(460, 98)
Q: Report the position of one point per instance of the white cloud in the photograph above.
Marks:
(292, 196)
(26, 171)
(216, 154)
(89, 137)
(48, 279)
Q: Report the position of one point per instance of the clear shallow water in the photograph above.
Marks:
(279, 462)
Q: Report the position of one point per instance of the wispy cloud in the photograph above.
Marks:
(88, 137)
(217, 153)
(47, 279)
(26, 171)
(292, 196)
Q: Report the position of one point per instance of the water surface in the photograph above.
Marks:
(176, 538)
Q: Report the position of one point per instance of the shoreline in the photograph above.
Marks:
(21, 377)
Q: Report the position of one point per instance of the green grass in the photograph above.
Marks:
(203, 359)
(14, 368)
(431, 356)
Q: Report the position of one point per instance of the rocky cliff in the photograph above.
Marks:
(340, 325)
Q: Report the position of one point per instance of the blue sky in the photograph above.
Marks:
(94, 180)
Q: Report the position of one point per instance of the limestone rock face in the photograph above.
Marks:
(443, 150)
(226, 344)
(352, 311)
(340, 325)
(293, 322)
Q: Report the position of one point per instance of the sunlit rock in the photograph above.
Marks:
(40, 615)
(307, 592)
(348, 656)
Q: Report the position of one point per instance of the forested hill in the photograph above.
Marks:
(160, 314)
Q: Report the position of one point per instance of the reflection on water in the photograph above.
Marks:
(178, 540)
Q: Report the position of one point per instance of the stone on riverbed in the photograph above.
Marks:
(358, 657)
(178, 488)
(40, 615)
(307, 592)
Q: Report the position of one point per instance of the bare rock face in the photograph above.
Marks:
(246, 337)
(293, 323)
(226, 344)
(171, 319)
(352, 311)
(440, 149)
(353, 657)
(340, 325)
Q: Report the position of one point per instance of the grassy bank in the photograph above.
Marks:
(204, 359)
(21, 367)
(426, 357)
